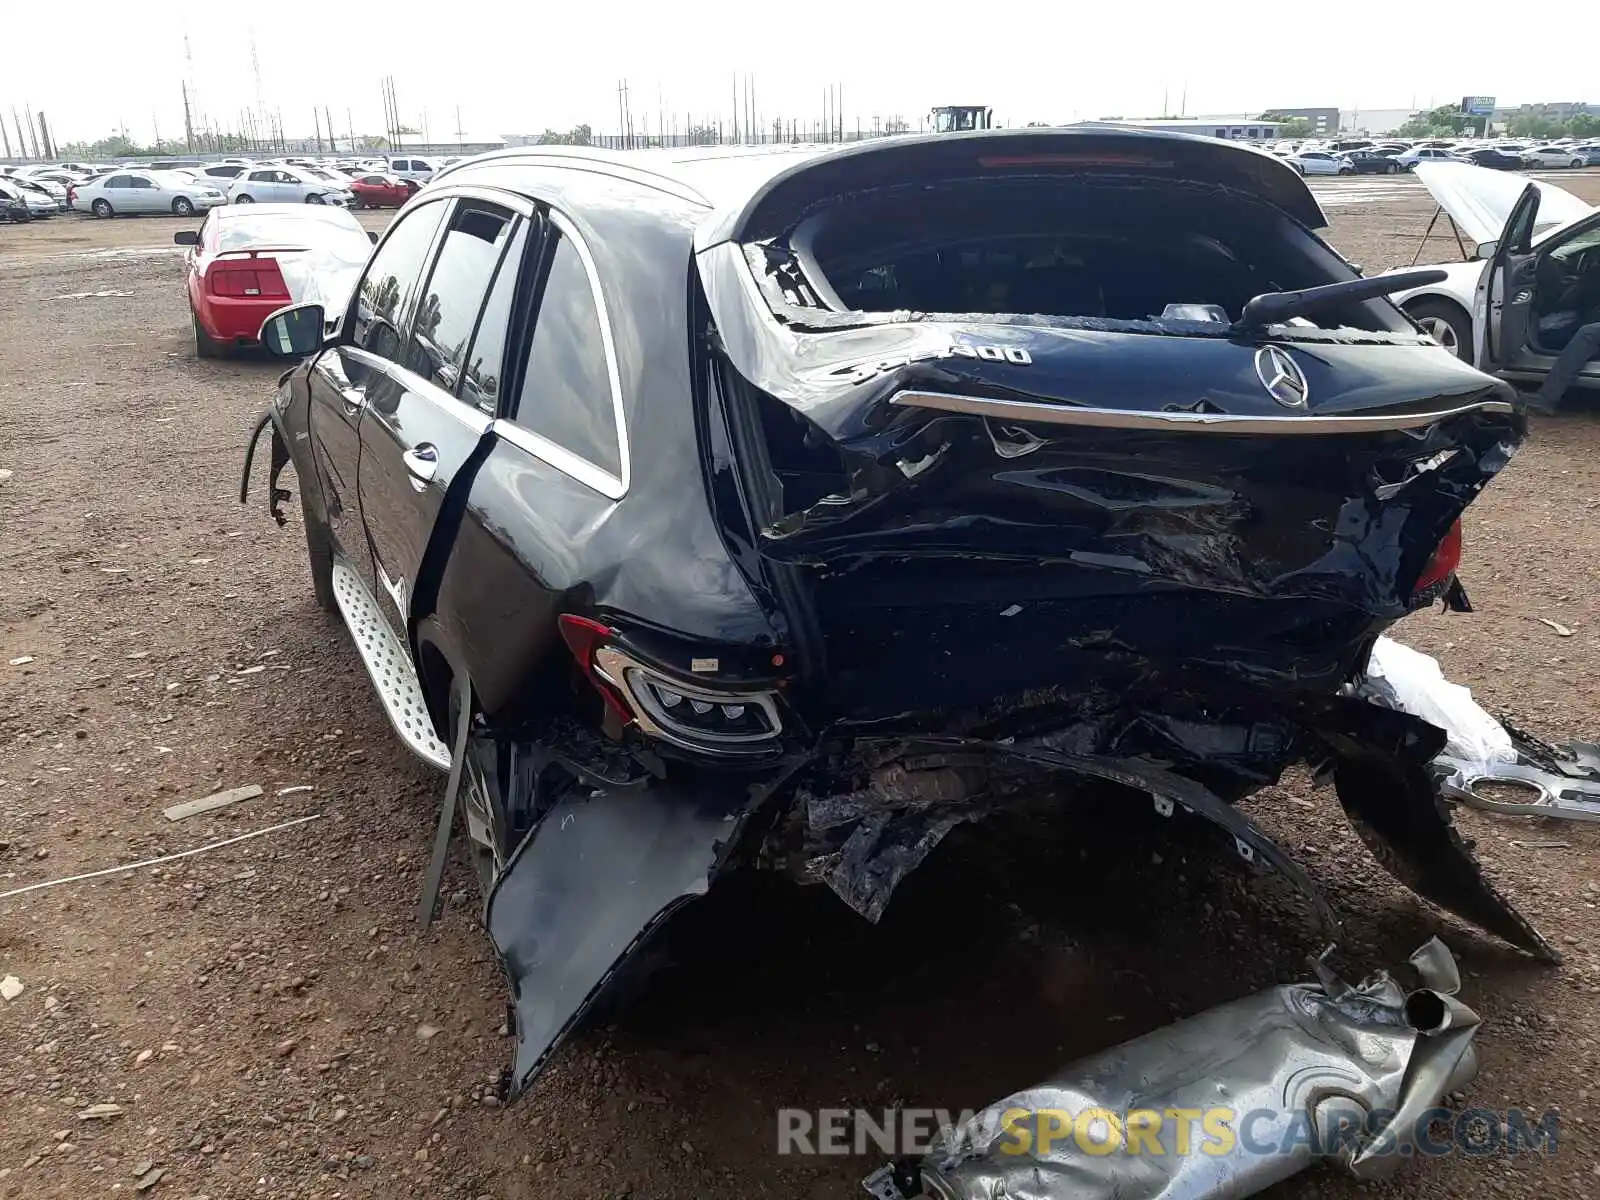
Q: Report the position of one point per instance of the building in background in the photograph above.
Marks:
(1374, 120)
(1324, 122)
(1231, 128)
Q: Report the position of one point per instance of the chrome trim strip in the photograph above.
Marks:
(559, 457)
(1184, 422)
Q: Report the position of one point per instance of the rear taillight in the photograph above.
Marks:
(252, 278)
(1445, 562)
(691, 715)
(584, 637)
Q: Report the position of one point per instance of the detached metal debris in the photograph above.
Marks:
(1564, 780)
(1307, 1072)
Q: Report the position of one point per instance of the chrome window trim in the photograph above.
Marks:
(1186, 422)
(591, 475)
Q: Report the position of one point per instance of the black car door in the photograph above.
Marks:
(416, 434)
(343, 376)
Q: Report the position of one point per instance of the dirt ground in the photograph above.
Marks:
(270, 1021)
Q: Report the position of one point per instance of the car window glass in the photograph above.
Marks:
(388, 279)
(261, 176)
(480, 380)
(566, 391)
(140, 181)
(445, 315)
(116, 181)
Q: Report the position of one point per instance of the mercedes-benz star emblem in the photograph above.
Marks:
(1282, 378)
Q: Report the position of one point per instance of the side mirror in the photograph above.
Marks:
(372, 237)
(186, 237)
(293, 332)
(1487, 249)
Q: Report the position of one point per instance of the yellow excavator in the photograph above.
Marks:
(958, 118)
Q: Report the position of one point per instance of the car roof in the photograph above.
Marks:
(744, 184)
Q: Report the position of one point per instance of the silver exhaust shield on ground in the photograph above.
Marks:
(1224, 1104)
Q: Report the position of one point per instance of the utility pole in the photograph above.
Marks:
(316, 127)
(188, 124)
(155, 126)
(44, 132)
(5, 138)
(350, 124)
(736, 107)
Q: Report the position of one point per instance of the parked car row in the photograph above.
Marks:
(1363, 157)
(186, 186)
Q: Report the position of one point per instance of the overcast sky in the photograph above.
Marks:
(95, 67)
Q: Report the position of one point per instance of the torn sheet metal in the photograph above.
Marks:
(587, 887)
(880, 834)
(1385, 779)
(1262, 1088)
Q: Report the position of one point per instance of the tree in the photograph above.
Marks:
(578, 135)
(1533, 125)
(1289, 127)
(1445, 121)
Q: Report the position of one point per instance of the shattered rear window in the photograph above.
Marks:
(1096, 249)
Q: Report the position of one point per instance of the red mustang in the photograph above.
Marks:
(248, 261)
(381, 191)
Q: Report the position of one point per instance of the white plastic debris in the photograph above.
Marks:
(1406, 679)
(192, 808)
(11, 987)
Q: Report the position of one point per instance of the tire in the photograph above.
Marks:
(245, 199)
(1446, 321)
(1347, 170)
(314, 199)
(358, 202)
(206, 346)
(102, 208)
(1576, 163)
(183, 207)
(482, 805)
(1392, 169)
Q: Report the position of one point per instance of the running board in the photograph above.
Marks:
(389, 664)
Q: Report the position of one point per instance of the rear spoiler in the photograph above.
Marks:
(784, 197)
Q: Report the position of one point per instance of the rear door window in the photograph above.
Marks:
(480, 380)
(389, 279)
(456, 289)
(569, 394)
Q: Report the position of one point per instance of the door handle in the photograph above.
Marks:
(421, 463)
(353, 399)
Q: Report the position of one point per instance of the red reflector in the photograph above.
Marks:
(583, 637)
(1445, 561)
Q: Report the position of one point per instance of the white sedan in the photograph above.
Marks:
(288, 185)
(146, 192)
(1554, 156)
(1320, 162)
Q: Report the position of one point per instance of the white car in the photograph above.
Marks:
(418, 170)
(1423, 154)
(146, 192)
(1320, 162)
(287, 185)
(1553, 156)
(1536, 243)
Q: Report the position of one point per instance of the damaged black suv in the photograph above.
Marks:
(702, 509)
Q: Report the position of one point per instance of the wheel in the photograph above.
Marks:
(314, 199)
(1392, 169)
(1575, 163)
(206, 346)
(481, 806)
(1347, 170)
(358, 202)
(245, 199)
(101, 207)
(183, 206)
(1446, 323)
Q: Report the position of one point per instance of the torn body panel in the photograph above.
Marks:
(1307, 1071)
(588, 885)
